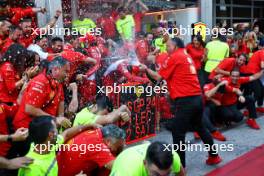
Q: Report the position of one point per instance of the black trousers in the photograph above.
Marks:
(209, 116)
(231, 113)
(254, 88)
(188, 117)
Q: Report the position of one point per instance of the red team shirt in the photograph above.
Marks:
(19, 13)
(97, 156)
(6, 44)
(142, 50)
(227, 64)
(196, 54)
(41, 92)
(8, 79)
(230, 98)
(180, 73)
(217, 96)
(5, 112)
(254, 64)
(138, 18)
(108, 26)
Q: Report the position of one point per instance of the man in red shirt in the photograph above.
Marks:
(107, 24)
(14, 36)
(142, 47)
(29, 35)
(227, 65)
(255, 65)
(4, 31)
(183, 85)
(138, 15)
(213, 97)
(101, 147)
(44, 94)
(233, 100)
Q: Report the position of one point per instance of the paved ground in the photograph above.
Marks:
(241, 136)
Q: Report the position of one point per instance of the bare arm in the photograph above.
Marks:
(61, 109)
(153, 74)
(210, 93)
(15, 163)
(51, 23)
(256, 76)
(222, 72)
(143, 6)
(71, 132)
(33, 111)
(122, 113)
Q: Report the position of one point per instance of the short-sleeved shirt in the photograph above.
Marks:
(84, 26)
(36, 48)
(6, 44)
(229, 97)
(227, 64)
(181, 76)
(42, 92)
(136, 156)
(254, 64)
(217, 51)
(142, 50)
(125, 26)
(8, 79)
(196, 54)
(84, 117)
(138, 18)
(108, 26)
(92, 154)
(207, 87)
(160, 44)
(42, 162)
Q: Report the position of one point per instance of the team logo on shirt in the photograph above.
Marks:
(139, 91)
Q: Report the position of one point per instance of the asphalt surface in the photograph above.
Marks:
(239, 137)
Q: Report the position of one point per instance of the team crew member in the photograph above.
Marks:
(44, 94)
(233, 100)
(83, 25)
(107, 24)
(227, 65)
(148, 159)
(184, 89)
(255, 65)
(15, 33)
(216, 52)
(213, 96)
(101, 113)
(4, 31)
(143, 47)
(43, 132)
(40, 47)
(15, 69)
(138, 15)
(196, 51)
(125, 25)
(104, 144)
(29, 35)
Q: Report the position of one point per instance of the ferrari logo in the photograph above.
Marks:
(139, 91)
(200, 29)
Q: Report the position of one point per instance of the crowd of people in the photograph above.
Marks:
(49, 91)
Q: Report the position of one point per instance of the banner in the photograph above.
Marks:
(143, 109)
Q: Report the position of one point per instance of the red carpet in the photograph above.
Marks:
(249, 164)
